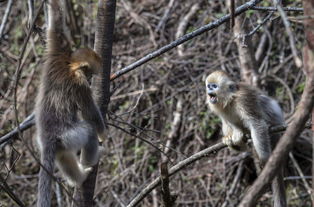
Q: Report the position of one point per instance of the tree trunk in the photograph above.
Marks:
(103, 46)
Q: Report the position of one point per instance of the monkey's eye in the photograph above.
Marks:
(212, 86)
(233, 87)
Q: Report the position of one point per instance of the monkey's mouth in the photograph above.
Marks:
(213, 98)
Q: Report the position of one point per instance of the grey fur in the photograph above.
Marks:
(245, 109)
(64, 96)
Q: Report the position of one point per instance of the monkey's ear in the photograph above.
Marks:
(233, 87)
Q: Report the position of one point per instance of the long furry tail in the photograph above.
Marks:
(279, 194)
(44, 185)
(277, 185)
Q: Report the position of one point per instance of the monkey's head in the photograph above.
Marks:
(220, 88)
(85, 61)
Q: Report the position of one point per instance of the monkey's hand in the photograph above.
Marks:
(234, 142)
(81, 175)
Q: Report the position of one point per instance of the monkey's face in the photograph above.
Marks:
(87, 57)
(220, 88)
(212, 89)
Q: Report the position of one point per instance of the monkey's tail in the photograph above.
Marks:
(44, 186)
(278, 186)
(279, 194)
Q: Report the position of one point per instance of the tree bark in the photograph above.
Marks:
(308, 6)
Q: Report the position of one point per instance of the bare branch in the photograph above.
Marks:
(286, 22)
(183, 24)
(210, 150)
(182, 164)
(302, 176)
(183, 39)
(6, 188)
(5, 17)
(289, 9)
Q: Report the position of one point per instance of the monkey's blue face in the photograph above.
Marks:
(220, 88)
(212, 92)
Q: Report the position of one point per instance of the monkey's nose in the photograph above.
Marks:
(212, 86)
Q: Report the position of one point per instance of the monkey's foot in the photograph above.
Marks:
(88, 170)
(84, 173)
(227, 140)
(239, 145)
(80, 176)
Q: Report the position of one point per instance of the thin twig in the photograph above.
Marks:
(183, 24)
(182, 164)
(6, 188)
(297, 60)
(210, 150)
(289, 9)
(259, 25)
(5, 17)
(306, 184)
(136, 136)
(165, 17)
(183, 39)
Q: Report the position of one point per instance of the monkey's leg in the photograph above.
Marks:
(76, 137)
(70, 167)
(227, 132)
(233, 137)
(91, 151)
(72, 140)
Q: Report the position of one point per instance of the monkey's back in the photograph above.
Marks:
(258, 105)
(56, 103)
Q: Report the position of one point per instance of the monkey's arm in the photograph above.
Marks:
(226, 128)
(233, 137)
(56, 41)
(91, 113)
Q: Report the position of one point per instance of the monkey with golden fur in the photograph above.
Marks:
(245, 110)
(67, 118)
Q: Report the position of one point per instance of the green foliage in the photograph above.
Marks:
(249, 13)
(207, 122)
(152, 164)
(300, 87)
